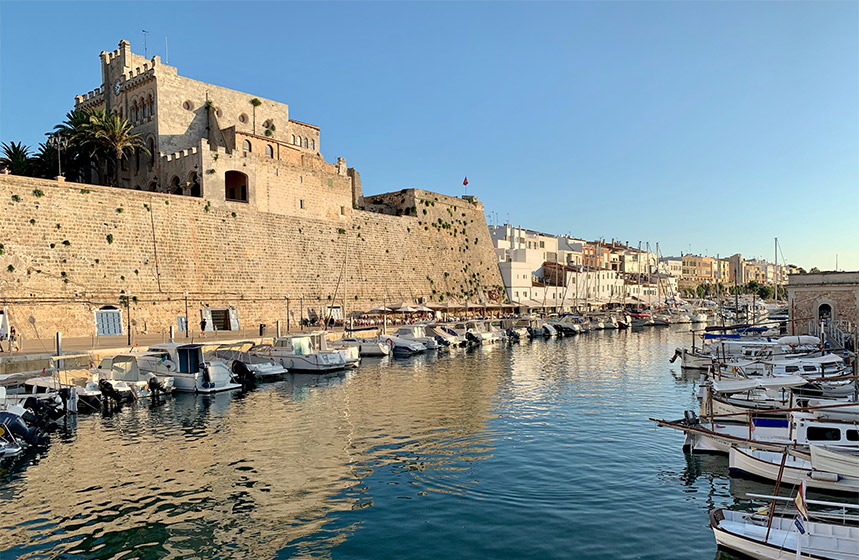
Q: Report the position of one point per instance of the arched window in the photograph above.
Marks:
(269, 152)
(293, 139)
(133, 112)
(236, 186)
(312, 144)
(246, 145)
(175, 188)
(299, 141)
(153, 187)
(196, 189)
(151, 145)
(151, 106)
(305, 142)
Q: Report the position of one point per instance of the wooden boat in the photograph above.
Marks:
(801, 429)
(767, 465)
(835, 459)
(748, 534)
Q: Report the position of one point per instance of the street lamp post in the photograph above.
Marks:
(59, 142)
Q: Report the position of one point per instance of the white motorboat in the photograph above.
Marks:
(402, 347)
(243, 361)
(445, 336)
(661, 319)
(768, 464)
(516, 328)
(750, 534)
(123, 373)
(305, 353)
(418, 334)
(191, 372)
(369, 347)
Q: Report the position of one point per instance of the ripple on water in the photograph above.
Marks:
(538, 450)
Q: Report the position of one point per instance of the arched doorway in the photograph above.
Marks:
(824, 312)
(236, 186)
(194, 181)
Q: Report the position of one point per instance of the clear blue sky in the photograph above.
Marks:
(710, 126)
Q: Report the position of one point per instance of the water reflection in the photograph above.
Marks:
(489, 452)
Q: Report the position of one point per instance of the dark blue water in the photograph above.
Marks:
(539, 450)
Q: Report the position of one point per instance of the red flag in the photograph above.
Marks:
(465, 181)
(801, 506)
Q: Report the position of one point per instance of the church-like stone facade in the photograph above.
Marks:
(226, 146)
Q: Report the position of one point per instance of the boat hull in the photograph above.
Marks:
(766, 465)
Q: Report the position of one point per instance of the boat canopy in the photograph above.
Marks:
(742, 385)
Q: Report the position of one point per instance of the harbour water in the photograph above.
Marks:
(530, 451)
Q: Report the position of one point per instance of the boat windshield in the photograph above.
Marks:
(301, 346)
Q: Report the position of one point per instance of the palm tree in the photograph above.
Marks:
(16, 158)
(77, 155)
(112, 137)
(44, 163)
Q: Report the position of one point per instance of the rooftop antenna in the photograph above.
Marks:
(145, 49)
(166, 52)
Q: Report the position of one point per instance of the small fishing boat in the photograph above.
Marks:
(794, 469)
(778, 537)
(748, 534)
(800, 429)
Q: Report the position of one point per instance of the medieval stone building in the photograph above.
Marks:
(228, 147)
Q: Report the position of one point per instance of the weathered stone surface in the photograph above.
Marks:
(79, 247)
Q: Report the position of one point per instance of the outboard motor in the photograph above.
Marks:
(17, 427)
(472, 338)
(108, 392)
(207, 377)
(243, 374)
(690, 417)
(678, 353)
(40, 411)
(155, 386)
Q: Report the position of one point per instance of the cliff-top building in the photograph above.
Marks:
(201, 138)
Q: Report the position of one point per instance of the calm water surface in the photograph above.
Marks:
(537, 450)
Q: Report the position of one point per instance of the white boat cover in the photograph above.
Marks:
(741, 385)
(820, 360)
(799, 340)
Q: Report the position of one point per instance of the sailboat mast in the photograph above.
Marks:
(345, 280)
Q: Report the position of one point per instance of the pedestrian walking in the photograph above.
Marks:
(203, 324)
(14, 340)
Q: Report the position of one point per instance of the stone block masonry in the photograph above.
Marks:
(67, 250)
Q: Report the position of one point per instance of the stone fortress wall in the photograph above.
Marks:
(67, 250)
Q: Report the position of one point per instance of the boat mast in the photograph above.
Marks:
(345, 280)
